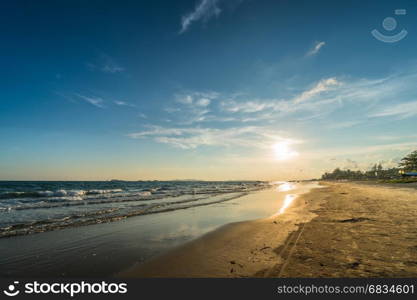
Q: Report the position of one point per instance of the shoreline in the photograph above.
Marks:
(108, 248)
(238, 249)
(342, 230)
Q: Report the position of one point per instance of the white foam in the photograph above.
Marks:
(147, 193)
(104, 191)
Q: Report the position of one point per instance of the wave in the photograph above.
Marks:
(30, 207)
(105, 216)
(57, 193)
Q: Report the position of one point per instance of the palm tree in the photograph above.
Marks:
(409, 162)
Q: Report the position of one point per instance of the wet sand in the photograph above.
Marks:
(102, 250)
(341, 230)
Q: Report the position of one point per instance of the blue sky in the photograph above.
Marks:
(204, 89)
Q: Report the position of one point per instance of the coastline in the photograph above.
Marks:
(342, 230)
(104, 249)
(235, 250)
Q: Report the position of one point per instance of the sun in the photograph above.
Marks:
(283, 151)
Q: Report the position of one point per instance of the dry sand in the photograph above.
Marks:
(341, 230)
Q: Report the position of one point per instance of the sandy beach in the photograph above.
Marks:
(340, 230)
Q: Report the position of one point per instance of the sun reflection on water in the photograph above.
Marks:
(285, 187)
(287, 202)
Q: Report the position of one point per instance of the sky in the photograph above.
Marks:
(205, 89)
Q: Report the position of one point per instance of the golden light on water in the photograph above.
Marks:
(285, 187)
(287, 202)
(283, 151)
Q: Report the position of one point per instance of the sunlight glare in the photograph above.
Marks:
(283, 151)
(285, 187)
(287, 201)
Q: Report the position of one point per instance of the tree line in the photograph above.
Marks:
(407, 164)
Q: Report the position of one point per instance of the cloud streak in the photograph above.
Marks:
(191, 138)
(316, 48)
(123, 103)
(399, 110)
(204, 11)
(193, 106)
(316, 102)
(96, 101)
(298, 102)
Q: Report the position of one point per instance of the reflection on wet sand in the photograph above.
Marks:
(287, 202)
(104, 249)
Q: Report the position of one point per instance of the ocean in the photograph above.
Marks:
(97, 229)
(28, 207)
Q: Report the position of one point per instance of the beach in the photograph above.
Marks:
(342, 229)
(105, 231)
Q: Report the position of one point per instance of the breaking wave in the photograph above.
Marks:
(28, 207)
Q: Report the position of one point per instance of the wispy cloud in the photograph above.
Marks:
(388, 137)
(123, 103)
(142, 115)
(204, 11)
(282, 105)
(322, 86)
(96, 101)
(201, 99)
(191, 138)
(341, 125)
(194, 106)
(364, 97)
(362, 150)
(399, 110)
(315, 50)
(318, 100)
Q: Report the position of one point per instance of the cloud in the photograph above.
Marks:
(364, 97)
(395, 137)
(317, 101)
(96, 101)
(204, 11)
(203, 102)
(322, 86)
(360, 151)
(191, 138)
(110, 68)
(99, 102)
(194, 106)
(399, 110)
(123, 103)
(341, 125)
(316, 48)
(283, 105)
(186, 99)
(246, 107)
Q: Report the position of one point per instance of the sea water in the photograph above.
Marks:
(72, 229)
(31, 207)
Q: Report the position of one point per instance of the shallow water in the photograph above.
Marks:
(30, 207)
(105, 249)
